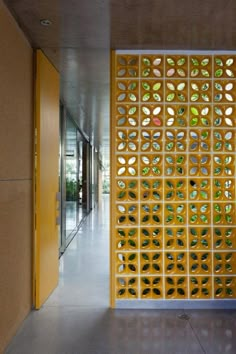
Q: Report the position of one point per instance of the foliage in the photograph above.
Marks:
(71, 190)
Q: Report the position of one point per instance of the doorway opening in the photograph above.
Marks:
(77, 179)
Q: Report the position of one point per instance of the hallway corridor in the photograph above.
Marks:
(76, 319)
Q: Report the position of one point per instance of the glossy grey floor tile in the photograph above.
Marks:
(216, 330)
(72, 330)
(84, 268)
(76, 319)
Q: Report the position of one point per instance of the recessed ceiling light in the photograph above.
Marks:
(45, 22)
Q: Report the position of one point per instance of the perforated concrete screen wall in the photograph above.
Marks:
(173, 125)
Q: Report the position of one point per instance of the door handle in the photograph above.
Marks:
(58, 208)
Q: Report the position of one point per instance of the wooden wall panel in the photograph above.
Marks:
(16, 137)
(15, 256)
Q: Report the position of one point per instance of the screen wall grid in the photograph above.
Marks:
(163, 177)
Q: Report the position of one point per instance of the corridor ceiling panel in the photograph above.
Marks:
(82, 32)
(173, 25)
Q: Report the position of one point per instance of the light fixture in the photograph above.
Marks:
(45, 22)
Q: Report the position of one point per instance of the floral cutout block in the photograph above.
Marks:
(173, 126)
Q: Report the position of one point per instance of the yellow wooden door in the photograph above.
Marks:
(46, 179)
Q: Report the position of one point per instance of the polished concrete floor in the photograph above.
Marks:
(76, 319)
(74, 215)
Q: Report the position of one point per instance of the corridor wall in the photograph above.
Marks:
(16, 151)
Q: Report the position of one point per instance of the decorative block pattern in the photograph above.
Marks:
(151, 189)
(151, 287)
(152, 115)
(151, 262)
(175, 262)
(173, 126)
(200, 287)
(127, 239)
(151, 238)
(127, 263)
(127, 190)
(127, 287)
(175, 287)
(175, 238)
(224, 287)
(152, 66)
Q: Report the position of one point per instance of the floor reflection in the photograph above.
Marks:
(74, 215)
(76, 319)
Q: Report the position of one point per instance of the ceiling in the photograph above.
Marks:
(83, 31)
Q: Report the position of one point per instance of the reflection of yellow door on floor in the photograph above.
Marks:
(46, 179)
